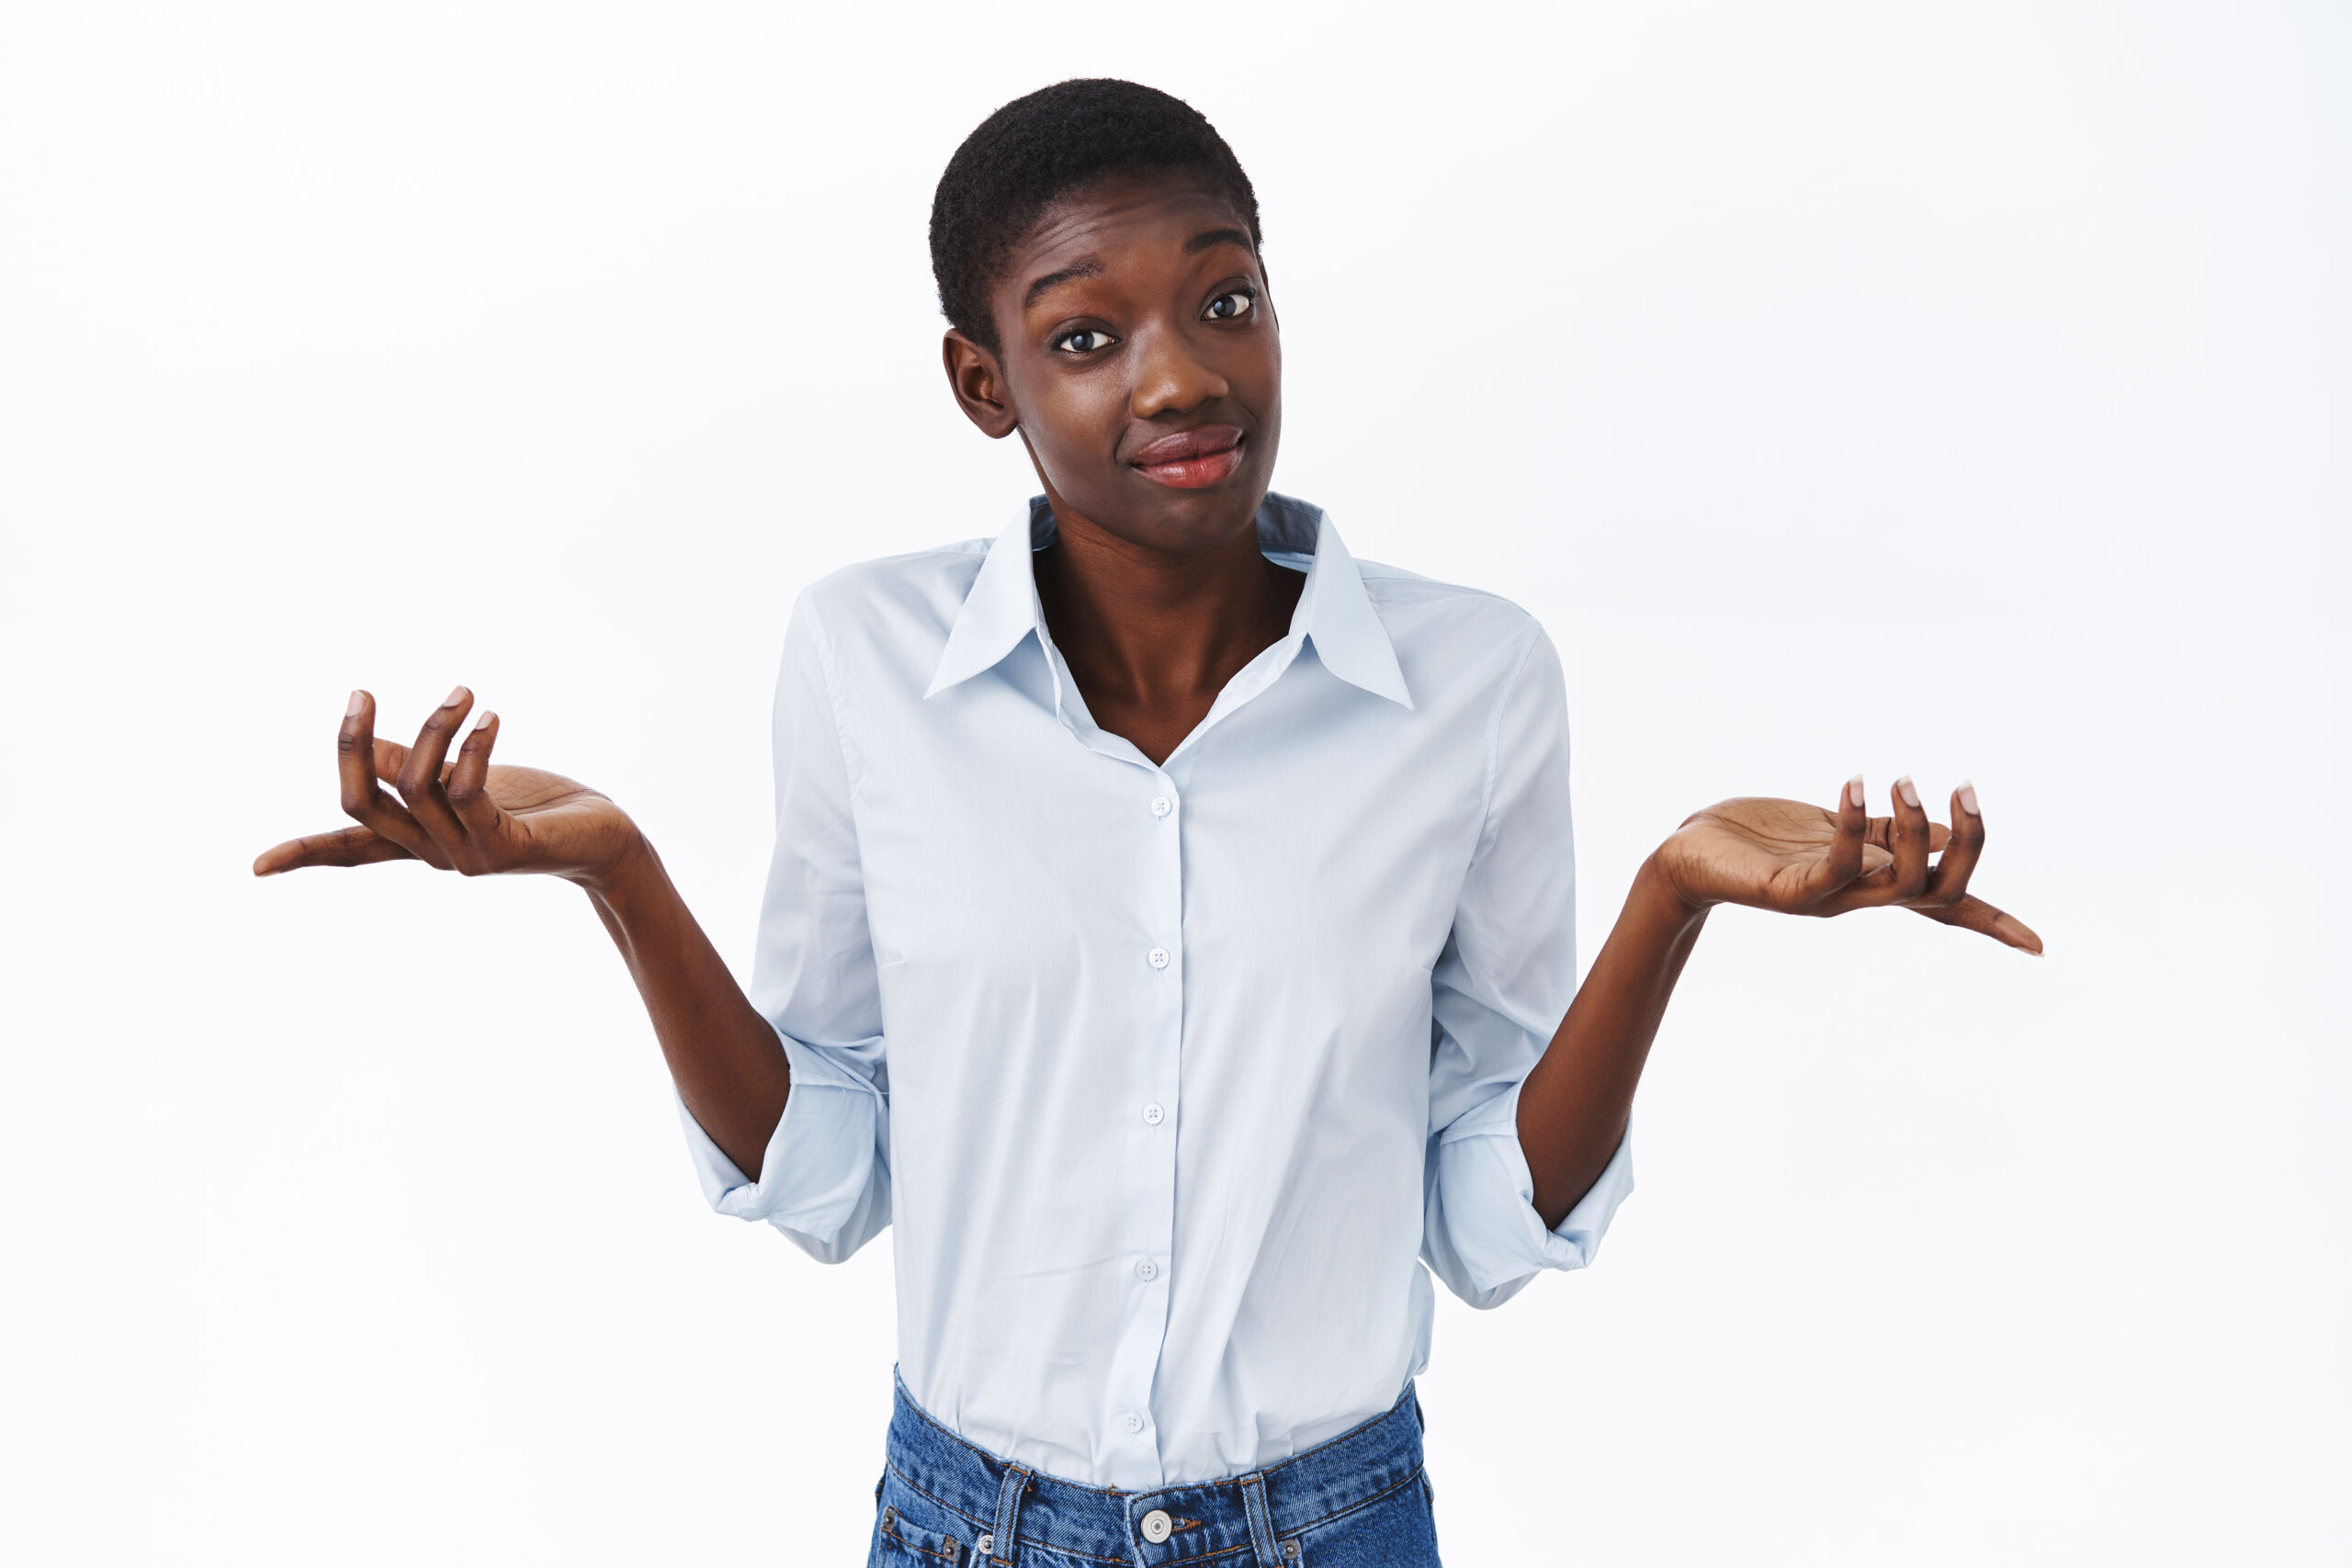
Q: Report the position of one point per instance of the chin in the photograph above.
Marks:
(1188, 520)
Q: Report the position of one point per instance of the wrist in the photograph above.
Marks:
(1665, 885)
(624, 880)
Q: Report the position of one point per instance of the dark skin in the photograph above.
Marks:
(1138, 356)
(1137, 314)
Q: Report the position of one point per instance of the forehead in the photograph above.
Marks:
(1116, 218)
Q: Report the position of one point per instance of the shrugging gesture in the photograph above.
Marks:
(1797, 859)
(1783, 855)
(468, 817)
(479, 818)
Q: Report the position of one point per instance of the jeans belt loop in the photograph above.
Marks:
(1008, 1516)
(1261, 1523)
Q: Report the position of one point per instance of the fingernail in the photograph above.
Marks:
(1968, 798)
(457, 694)
(1907, 790)
(1854, 792)
(358, 701)
(483, 722)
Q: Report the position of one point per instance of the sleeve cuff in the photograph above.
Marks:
(821, 1169)
(1490, 1202)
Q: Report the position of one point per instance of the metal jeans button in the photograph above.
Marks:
(1157, 1526)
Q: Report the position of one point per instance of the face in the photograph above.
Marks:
(1141, 363)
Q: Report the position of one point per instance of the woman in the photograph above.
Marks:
(1168, 931)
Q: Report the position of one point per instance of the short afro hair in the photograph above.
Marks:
(1039, 148)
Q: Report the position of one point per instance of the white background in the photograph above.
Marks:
(1951, 389)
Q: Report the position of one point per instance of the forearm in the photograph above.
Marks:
(1575, 1106)
(729, 1068)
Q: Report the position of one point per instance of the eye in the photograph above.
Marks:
(1084, 340)
(1231, 305)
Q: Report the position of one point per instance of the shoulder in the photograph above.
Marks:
(1411, 608)
(1467, 638)
(921, 590)
(890, 617)
(1407, 599)
(879, 625)
(1476, 659)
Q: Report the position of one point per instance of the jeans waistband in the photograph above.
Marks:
(1013, 1508)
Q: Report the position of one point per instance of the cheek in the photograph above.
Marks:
(1075, 427)
(1255, 369)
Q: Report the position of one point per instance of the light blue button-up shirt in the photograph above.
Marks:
(1174, 1084)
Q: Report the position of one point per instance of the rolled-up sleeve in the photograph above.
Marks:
(1499, 989)
(825, 1177)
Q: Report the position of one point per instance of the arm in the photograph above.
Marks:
(1578, 1101)
(729, 1068)
(1772, 854)
(480, 820)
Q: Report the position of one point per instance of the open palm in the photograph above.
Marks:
(469, 815)
(1798, 859)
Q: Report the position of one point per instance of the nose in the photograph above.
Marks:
(1170, 374)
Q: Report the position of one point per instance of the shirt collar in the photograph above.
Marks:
(1334, 610)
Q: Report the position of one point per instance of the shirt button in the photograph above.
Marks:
(1158, 956)
(1158, 1527)
(1147, 1270)
(1161, 806)
(1153, 1116)
(1131, 1421)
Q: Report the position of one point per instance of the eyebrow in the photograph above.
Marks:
(1216, 237)
(1091, 266)
(1086, 266)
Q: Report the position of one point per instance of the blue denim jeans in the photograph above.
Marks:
(1360, 1500)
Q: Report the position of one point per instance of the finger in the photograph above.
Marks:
(1843, 863)
(1908, 842)
(363, 801)
(420, 781)
(469, 782)
(345, 846)
(391, 758)
(1964, 846)
(1882, 833)
(1975, 915)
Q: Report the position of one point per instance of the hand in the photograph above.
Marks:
(1799, 860)
(466, 816)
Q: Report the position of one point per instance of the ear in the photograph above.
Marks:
(978, 381)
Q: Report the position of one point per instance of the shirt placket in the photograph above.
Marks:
(1146, 1271)
(1147, 1278)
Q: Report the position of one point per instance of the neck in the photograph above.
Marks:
(1151, 636)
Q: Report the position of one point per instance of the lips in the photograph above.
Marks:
(1190, 459)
